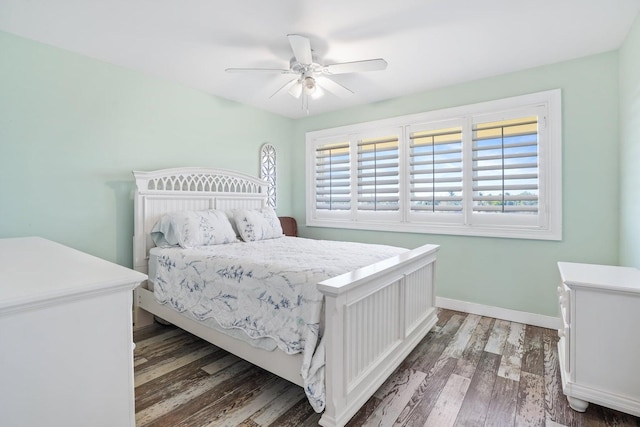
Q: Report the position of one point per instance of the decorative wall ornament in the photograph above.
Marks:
(268, 171)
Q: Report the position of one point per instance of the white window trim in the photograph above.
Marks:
(550, 173)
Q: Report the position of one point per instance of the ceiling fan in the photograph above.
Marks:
(312, 77)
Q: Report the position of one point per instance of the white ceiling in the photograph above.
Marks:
(427, 43)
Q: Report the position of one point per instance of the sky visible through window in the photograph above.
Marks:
(436, 170)
(505, 166)
(378, 174)
(333, 177)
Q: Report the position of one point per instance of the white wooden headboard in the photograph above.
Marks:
(169, 190)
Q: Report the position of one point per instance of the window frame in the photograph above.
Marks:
(549, 152)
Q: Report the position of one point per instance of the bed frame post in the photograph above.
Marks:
(334, 368)
(141, 318)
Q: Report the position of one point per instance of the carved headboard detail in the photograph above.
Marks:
(169, 190)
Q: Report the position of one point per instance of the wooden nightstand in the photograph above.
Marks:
(289, 226)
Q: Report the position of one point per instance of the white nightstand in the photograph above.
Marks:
(599, 347)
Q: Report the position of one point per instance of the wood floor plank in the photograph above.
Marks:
(471, 355)
(223, 411)
(532, 357)
(394, 396)
(220, 364)
(498, 337)
(261, 397)
(298, 414)
(444, 316)
(312, 421)
(502, 408)
(555, 403)
(365, 412)
(449, 401)
(144, 341)
(137, 361)
(530, 405)
(146, 375)
(220, 389)
(207, 406)
(612, 418)
(511, 361)
(424, 357)
(174, 382)
(459, 341)
(278, 406)
(173, 346)
(150, 331)
(549, 423)
(476, 402)
(189, 392)
(421, 403)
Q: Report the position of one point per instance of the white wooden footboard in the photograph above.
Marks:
(374, 317)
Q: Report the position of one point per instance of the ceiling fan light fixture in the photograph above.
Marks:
(309, 85)
(317, 93)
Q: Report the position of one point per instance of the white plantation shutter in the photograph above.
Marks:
(333, 177)
(378, 176)
(505, 166)
(488, 169)
(435, 170)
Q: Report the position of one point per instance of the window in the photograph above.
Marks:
(435, 173)
(333, 177)
(378, 178)
(489, 169)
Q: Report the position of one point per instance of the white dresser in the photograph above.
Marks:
(66, 356)
(599, 347)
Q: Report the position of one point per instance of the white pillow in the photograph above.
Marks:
(232, 220)
(257, 224)
(193, 228)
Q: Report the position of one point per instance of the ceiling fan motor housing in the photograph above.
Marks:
(301, 68)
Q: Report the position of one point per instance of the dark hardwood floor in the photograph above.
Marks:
(468, 371)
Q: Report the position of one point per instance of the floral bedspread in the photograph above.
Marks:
(264, 288)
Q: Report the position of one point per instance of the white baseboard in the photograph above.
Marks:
(500, 313)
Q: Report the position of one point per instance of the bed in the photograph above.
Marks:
(373, 316)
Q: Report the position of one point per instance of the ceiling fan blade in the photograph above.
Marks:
(287, 86)
(356, 66)
(301, 47)
(334, 87)
(258, 70)
(296, 89)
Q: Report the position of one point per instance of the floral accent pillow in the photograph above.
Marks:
(258, 224)
(193, 228)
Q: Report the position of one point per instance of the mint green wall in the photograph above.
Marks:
(72, 129)
(630, 148)
(509, 273)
